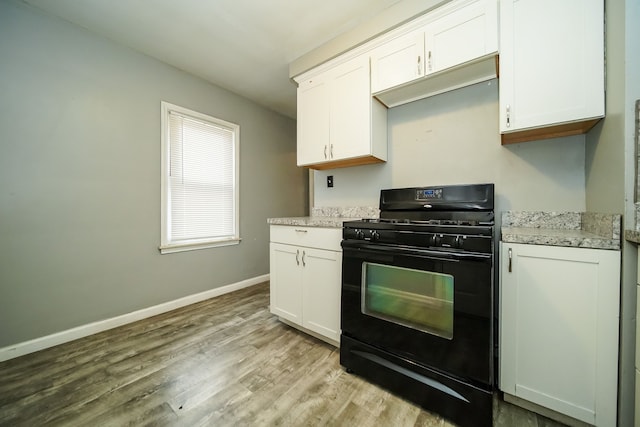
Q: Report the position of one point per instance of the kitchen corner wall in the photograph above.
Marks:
(80, 179)
(453, 138)
(611, 172)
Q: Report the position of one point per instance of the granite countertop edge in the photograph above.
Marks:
(328, 217)
(567, 229)
(632, 236)
(311, 221)
(557, 237)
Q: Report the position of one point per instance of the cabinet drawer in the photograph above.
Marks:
(311, 237)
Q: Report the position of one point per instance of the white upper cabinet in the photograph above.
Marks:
(465, 34)
(551, 67)
(339, 123)
(350, 110)
(457, 35)
(398, 61)
(313, 120)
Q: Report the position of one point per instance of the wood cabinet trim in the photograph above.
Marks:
(556, 131)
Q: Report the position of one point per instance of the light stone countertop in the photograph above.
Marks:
(311, 221)
(632, 236)
(556, 237)
(329, 217)
(568, 229)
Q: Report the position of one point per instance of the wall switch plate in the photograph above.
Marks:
(330, 181)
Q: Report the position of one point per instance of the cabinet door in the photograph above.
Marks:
(551, 63)
(461, 36)
(321, 293)
(350, 110)
(559, 329)
(286, 282)
(313, 121)
(398, 61)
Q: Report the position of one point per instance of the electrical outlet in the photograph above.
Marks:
(330, 181)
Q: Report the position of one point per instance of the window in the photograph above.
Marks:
(199, 181)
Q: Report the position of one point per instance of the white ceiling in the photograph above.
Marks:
(244, 46)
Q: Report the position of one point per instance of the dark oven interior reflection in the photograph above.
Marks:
(418, 298)
(422, 300)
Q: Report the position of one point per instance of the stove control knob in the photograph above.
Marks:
(375, 235)
(359, 234)
(434, 241)
(459, 242)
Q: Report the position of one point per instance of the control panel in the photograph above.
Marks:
(429, 194)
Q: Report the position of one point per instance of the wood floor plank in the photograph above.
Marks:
(222, 362)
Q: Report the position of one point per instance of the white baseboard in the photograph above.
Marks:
(31, 346)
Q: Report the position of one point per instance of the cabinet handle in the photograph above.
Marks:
(331, 151)
(419, 65)
(508, 115)
(304, 264)
(429, 61)
(325, 151)
(510, 259)
(297, 256)
(298, 230)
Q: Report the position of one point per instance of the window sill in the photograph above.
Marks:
(192, 246)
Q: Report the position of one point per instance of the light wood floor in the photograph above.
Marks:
(222, 362)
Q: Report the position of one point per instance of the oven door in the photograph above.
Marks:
(429, 307)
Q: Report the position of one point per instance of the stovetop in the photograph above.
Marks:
(457, 218)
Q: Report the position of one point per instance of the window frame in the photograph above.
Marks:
(166, 245)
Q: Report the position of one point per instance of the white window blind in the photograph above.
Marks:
(200, 180)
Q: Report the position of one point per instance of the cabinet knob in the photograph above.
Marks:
(419, 65)
(298, 256)
(508, 118)
(325, 151)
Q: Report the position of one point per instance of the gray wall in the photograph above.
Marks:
(80, 179)
(610, 172)
(453, 138)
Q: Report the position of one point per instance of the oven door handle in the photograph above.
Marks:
(425, 253)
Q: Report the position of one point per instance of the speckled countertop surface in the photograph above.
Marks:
(329, 217)
(634, 235)
(310, 221)
(569, 229)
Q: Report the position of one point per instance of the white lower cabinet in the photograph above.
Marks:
(306, 265)
(559, 315)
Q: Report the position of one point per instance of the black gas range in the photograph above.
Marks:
(418, 298)
(447, 217)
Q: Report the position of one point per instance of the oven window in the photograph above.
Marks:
(418, 299)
